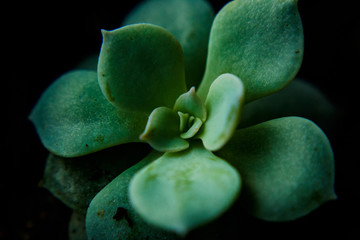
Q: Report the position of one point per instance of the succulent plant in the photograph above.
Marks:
(181, 81)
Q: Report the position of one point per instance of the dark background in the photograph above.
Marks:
(42, 41)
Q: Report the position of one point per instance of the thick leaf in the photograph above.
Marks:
(300, 99)
(194, 127)
(110, 215)
(141, 67)
(73, 118)
(180, 191)
(162, 131)
(287, 167)
(190, 103)
(189, 21)
(75, 181)
(224, 105)
(260, 41)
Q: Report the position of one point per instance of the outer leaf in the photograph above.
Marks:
(141, 67)
(110, 215)
(299, 98)
(260, 41)
(190, 103)
(224, 105)
(189, 21)
(73, 117)
(180, 191)
(75, 181)
(287, 167)
(162, 131)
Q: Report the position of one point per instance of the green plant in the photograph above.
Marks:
(202, 161)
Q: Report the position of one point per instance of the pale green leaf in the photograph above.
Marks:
(196, 124)
(73, 118)
(189, 21)
(224, 104)
(287, 167)
(183, 190)
(141, 67)
(110, 215)
(260, 41)
(162, 131)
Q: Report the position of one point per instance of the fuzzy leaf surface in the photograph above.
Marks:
(141, 67)
(162, 131)
(260, 41)
(183, 190)
(224, 104)
(73, 118)
(287, 167)
(189, 21)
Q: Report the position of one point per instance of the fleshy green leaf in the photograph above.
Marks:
(162, 131)
(180, 191)
(287, 167)
(75, 181)
(300, 99)
(141, 67)
(195, 125)
(189, 21)
(260, 41)
(190, 103)
(73, 118)
(224, 104)
(110, 215)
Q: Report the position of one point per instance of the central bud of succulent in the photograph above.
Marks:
(213, 120)
(168, 130)
(189, 125)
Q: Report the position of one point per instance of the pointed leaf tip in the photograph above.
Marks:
(190, 103)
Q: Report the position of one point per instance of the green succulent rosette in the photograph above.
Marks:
(178, 80)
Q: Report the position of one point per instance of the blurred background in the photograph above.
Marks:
(44, 40)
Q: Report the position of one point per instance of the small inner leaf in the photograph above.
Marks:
(162, 131)
(180, 191)
(184, 119)
(224, 105)
(190, 103)
(194, 128)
